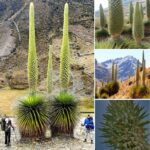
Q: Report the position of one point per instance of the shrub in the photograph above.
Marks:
(139, 92)
(116, 18)
(110, 89)
(65, 53)
(32, 56)
(102, 33)
(113, 88)
(63, 115)
(104, 96)
(103, 90)
(124, 126)
(32, 116)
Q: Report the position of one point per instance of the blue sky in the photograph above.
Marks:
(103, 2)
(103, 55)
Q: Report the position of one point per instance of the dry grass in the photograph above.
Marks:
(8, 98)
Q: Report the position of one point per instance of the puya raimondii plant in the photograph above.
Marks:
(65, 53)
(116, 18)
(114, 72)
(124, 126)
(102, 17)
(50, 71)
(138, 25)
(32, 56)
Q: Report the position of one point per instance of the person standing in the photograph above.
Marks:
(8, 131)
(89, 128)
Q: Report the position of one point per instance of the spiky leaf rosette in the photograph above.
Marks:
(131, 13)
(50, 71)
(63, 114)
(32, 116)
(138, 25)
(65, 53)
(148, 9)
(123, 126)
(116, 18)
(32, 56)
(102, 17)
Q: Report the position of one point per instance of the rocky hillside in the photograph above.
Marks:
(126, 67)
(49, 22)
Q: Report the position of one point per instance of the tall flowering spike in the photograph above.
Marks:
(137, 74)
(113, 71)
(144, 73)
(141, 8)
(138, 25)
(131, 13)
(102, 17)
(65, 53)
(148, 9)
(116, 72)
(50, 71)
(32, 56)
(116, 18)
(143, 69)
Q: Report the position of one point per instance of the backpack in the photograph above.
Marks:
(3, 124)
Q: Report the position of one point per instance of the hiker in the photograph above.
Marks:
(8, 127)
(89, 128)
(3, 123)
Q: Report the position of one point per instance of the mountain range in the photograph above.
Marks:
(126, 67)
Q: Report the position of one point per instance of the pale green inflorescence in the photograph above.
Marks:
(113, 71)
(116, 18)
(32, 56)
(50, 71)
(131, 13)
(137, 74)
(148, 9)
(65, 53)
(138, 25)
(102, 17)
(143, 69)
(116, 72)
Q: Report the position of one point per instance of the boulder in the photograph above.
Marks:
(17, 80)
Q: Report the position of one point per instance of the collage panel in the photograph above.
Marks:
(122, 124)
(122, 24)
(122, 74)
(46, 74)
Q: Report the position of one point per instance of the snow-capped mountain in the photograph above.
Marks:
(126, 67)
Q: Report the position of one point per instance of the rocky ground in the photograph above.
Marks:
(63, 143)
